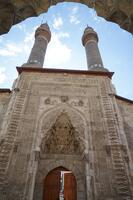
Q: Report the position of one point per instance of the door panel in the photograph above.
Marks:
(52, 186)
(70, 192)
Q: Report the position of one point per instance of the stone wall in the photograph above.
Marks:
(126, 109)
(4, 100)
(102, 163)
(13, 12)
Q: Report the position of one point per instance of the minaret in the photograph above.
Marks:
(37, 55)
(90, 42)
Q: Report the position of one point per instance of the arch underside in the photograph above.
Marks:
(13, 12)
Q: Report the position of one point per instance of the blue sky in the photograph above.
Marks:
(67, 22)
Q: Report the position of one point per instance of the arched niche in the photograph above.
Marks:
(62, 137)
(73, 123)
(74, 118)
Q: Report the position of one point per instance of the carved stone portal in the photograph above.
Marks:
(62, 138)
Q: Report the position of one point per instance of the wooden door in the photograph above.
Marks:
(70, 188)
(52, 185)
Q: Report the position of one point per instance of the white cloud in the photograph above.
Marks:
(21, 27)
(10, 49)
(75, 9)
(74, 15)
(28, 42)
(74, 19)
(58, 52)
(1, 39)
(63, 35)
(57, 23)
(2, 75)
(95, 17)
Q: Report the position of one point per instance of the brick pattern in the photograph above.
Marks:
(8, 144)
(121, 181)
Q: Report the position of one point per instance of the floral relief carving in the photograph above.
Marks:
(62, 138)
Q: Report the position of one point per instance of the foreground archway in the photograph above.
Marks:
(13, 12)
(60, 183)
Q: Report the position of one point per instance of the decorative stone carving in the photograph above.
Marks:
(61, 138)
(13, 12)
(64, 99)
(47, 101)
(80, 103)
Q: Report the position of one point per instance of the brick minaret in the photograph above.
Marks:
(90, 41)
(42, 38)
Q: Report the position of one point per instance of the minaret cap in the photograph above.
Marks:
(89, 34)
(43, 31)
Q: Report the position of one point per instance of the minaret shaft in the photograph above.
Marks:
(90, 42)
(93, 55)
(37, 55)
(38, 51)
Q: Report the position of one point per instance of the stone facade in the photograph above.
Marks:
(13, 12)
(4, 101)
(66, 119)
(126, 109)
(90, 127)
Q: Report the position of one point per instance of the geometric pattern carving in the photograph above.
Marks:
(61, 138)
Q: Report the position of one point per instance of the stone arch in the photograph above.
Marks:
(62, 137)
(52, 186)
(73, 162)
(20, 10)
(76, 170)
(48, 118)
(121, 18)
(131, 22)
(49, 167)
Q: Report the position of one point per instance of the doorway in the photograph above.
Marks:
(60, 184)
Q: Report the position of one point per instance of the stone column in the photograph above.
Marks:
(90, 42)
(42, 38)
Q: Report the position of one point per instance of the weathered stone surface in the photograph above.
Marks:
(85, 109)
(126, 108)
(65, 118)
(4, 100)
(61, 139)
(15, 11)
